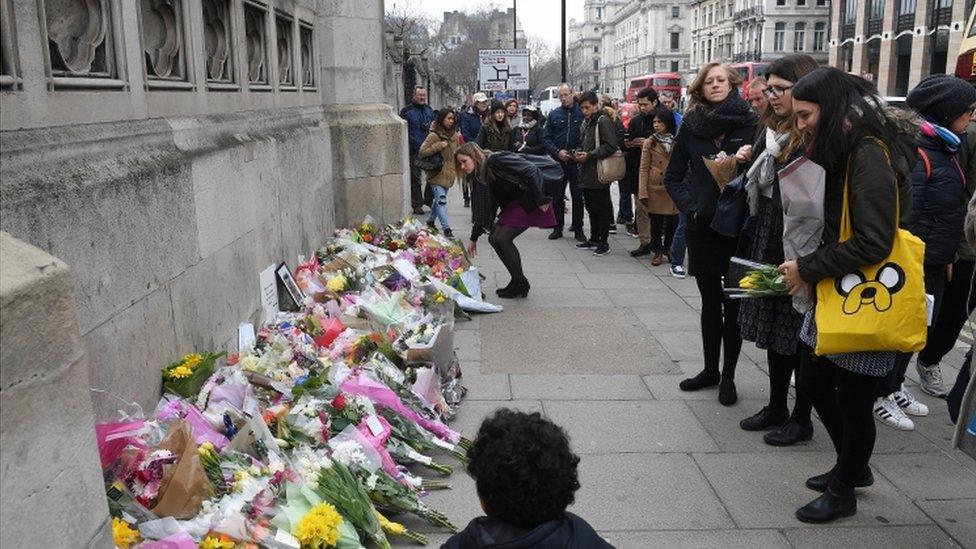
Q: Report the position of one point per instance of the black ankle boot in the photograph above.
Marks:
(763, 419)
(515, 289)
(705, 378)
(789, 434)
(820, 482)
(727, 395)
(830, 506)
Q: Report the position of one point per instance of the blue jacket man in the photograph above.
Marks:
(419, 117)
(472, 117)
(562, 135)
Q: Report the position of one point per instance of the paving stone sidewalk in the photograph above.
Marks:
(600, 345)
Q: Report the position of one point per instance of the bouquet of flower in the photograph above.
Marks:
(761, 280)
(337, 485)
(186, 376)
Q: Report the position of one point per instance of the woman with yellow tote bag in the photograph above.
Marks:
(850, 136)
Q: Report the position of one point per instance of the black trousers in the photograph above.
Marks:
(600, 208)
(844, 402)
(418, 194)
(935, 284)
(719, 326)
(662, 230)
(557, 191)
(958, 302)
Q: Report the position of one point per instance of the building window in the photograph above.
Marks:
(307, 53)
(799, 36)
(596, 49)
(80, 39)
(675, 41)
(675, 12)
(674, 66)
(907, 6)
(218, 41)
(255, 35)
(599, 13)
(780, 2)
(779, 37)
(596, 64)
(161, 24)
(284, 27)
(877, 9)
(819, 36)
(9, 70)
(850, 12)
(821, 2)
(801, 2)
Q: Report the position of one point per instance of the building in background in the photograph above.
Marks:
(758, 30)
(620, 40)
(897, 42)
(457, 28)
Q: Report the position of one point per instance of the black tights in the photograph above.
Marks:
(502, 240)
(780, 368)
(719, 325)
(844, 402)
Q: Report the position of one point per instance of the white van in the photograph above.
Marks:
(548, 99)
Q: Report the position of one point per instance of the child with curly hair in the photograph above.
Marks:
(526, 475)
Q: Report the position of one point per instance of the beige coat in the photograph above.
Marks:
(651, 191)
(446, 177)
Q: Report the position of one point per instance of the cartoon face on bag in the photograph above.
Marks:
(859, 291)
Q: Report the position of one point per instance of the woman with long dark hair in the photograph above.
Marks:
(772, 323)
(718, 120)
(860, 147)
(514, 184)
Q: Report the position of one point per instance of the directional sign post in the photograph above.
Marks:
(503, 70)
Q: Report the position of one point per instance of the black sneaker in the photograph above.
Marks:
(556, 234)
(632, 230)
(601, 249)
(448, 233)
(644, 249)
(623, 220)
(585, 245)
(418, 210)
(613, 229)
(467, 203)
(579, 236)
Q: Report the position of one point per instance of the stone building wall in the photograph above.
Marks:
(170, 151)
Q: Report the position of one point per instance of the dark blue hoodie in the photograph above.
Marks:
(570, 532)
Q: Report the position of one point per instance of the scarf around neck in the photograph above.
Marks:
(709, 122)
(949, 139)
(665, 139)
(759, 178)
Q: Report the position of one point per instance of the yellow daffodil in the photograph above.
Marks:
(319, 528)
(337, 283)
(179, 372)
(123, 534)
(211, 542)
(390, 527)
(191, 360)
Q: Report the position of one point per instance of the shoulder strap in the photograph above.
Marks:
(925, 159)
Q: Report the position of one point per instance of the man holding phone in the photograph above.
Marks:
(561, 136)
(641, 128)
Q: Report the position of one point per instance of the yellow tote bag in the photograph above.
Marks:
(879, 307)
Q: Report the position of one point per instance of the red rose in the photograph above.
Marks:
(339, 402)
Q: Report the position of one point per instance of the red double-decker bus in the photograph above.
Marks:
(659, 81)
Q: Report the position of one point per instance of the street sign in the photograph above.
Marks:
(503, 70)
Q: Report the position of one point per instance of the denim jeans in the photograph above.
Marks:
(626, 210)
(678, 242)
(439, 208)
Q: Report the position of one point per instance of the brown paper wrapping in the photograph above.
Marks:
(185, 485)
(723, 170)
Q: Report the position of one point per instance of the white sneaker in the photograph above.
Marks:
(888, 412)
(930, 379)
(909, 404)
(677, 271)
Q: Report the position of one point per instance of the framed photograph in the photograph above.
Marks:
(291, 287)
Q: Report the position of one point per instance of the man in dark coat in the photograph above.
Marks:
(471, 121)
(562, 135)
(419, 115)
(641, 127)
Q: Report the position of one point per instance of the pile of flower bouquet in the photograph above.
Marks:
(321, 432)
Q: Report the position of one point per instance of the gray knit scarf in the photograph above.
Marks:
(759, 178)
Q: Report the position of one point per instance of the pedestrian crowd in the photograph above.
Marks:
(888, 177)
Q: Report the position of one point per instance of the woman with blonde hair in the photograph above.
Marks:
(718, 121)
(515, 185)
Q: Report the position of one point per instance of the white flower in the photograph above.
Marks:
(350, 453)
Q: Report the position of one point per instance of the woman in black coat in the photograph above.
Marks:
(527, 136)
(513, 183)
(718, 120)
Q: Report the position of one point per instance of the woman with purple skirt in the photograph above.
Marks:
(515, 186)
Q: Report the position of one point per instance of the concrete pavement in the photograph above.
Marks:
(600, 345)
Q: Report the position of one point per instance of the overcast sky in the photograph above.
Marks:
(540, 18)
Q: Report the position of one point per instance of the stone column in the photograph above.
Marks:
(369, 142)
(888, 60)
(835, 30)
(50, 462)
(921, 46)
(956, 28)
(860, 61)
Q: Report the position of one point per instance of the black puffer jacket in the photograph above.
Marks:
(509, 176)
(571, 532)
(939, 201)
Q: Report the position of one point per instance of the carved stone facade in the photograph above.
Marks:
(168, 151)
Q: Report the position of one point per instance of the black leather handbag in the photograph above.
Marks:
(432, 164)
(732, 209)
